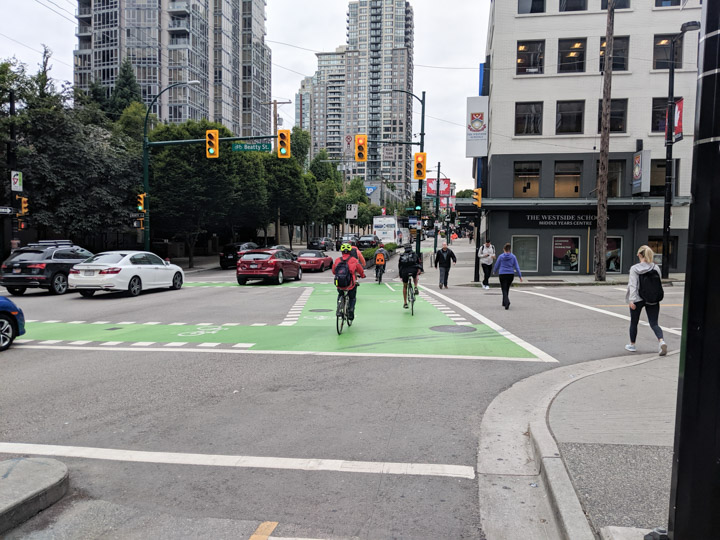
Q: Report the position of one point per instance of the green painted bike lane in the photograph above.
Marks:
(381, 327)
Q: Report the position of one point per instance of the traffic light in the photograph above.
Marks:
(283, 143)
(360, 147)
(138, 223)
(420, 166)
(23, 205)
(22, 224)
(212, 143)
(418, 200)
(477, 195)
(453, 215)
(141, 202)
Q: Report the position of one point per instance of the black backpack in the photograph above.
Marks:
(408, 258)
(343, 277)
(650, 287)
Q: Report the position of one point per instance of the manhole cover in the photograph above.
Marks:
(453, 329)
(320, 310)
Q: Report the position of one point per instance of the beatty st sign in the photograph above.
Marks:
(521, 220)
(251, 147)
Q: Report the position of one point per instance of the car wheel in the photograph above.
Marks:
(59, 284)
(280, 278)
(134, 287)
(8, 333)
(241, 281)
(177, 281)
(299, 275)
(86, 293)
(17, 291)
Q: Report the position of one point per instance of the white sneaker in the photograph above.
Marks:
(486, 287)
(630, 347)
(663, 348)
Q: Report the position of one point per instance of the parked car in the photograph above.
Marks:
(351, 239)
(322, 243)
(368, 241)
(430, 233)
(12, 322)
(268, 264)
(41, 265)
(231, 253)
(314, 259)
(129, 271)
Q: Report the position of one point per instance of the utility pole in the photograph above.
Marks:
(275, 103)
(12, 164)
(602, 180)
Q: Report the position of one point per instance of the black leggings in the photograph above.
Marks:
(505, 284)
(653, 311)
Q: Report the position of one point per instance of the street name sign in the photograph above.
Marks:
(6, 210)
(138, 215)
(252, 147)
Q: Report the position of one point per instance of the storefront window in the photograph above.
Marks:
(657, 177)
(566, 254)
(525, 249)
(526, 182)
(567, 178)
(613, 254)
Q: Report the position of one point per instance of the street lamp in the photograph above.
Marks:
(669, 141)
(146, 158)
(422, 136)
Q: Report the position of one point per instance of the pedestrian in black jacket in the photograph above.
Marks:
(443, 258)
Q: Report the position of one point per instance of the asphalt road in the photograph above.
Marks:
(307, 415)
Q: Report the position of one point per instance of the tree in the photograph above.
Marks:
(97, 94)
(464, 194)
(300, 145)
(286, 191)
(325, 202)
(132, 121)
(249, 207)
(324, 170)
(127, 90)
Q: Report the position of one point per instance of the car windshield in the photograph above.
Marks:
(367, 238)
(106, 258)
(309, 254)
(19, 256)
(255, 257)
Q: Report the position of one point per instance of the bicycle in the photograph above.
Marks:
(343, 306)
(379, 271)
(411, 297)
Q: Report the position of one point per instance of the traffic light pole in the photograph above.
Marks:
(420, 182)
(437, 207)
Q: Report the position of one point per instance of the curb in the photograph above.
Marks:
(29, 486)
(517, 445)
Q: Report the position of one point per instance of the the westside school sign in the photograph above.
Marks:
(563, 219)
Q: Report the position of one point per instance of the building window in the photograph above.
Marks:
(613, 254)
(667, 3)
(566, 254)
(657, 177)
(530, 57)
(531, 6)
(571, 55)
(661, 51)
(616, 174)
(573, 5)
(526, 181)
(618, 115)
(528, 118)
(525, 248)
(569, 117)
(621, 53)
(567, 178)
(619, 4)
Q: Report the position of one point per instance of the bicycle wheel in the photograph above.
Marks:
(382, 271)
(340, 315)
(411, 298)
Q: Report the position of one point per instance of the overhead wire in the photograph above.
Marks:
(56, 12)
(32, 49)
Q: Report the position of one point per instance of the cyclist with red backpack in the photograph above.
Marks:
(345, 268)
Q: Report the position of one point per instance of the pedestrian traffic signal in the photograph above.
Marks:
(420, 166)
(477, 195)
(360, 147)
(212, 143)
(141, 202)
(418, 200)
(138, 223)
(23, 205)
(283, 143)
(22, 224)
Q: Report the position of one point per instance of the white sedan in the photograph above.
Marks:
(130, 271)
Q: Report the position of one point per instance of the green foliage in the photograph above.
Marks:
(127, 90)
(464, 194)
(300, 145)
(97, 94)
(324, 170)
(391, 247)
(132, 121)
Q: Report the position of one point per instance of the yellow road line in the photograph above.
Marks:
(264, 530)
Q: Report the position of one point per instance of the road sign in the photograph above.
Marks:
(251, 147)
(351, 211)
(6, 210)
(16, 183)
(138, 215)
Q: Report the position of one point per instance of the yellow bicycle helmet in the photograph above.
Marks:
(346, 248)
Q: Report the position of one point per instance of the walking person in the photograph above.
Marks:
(506, 266)
(486, 254)
(645, 290)
(443, 258)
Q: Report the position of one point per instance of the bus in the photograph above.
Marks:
(386, 228)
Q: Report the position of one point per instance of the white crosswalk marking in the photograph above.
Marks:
(175, 344)
(142, 344)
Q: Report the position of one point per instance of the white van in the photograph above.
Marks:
(386, 229)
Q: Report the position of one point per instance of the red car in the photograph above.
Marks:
(275, 265)
(314, 259)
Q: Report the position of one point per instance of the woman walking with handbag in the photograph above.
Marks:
(506, 266)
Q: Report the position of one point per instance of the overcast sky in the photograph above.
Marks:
(449, 44)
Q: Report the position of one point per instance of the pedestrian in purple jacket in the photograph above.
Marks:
(506, 266)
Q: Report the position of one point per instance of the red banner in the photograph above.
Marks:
(432, 187)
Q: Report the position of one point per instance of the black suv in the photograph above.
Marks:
(323, 243)
(41, 265)
(231, 253)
